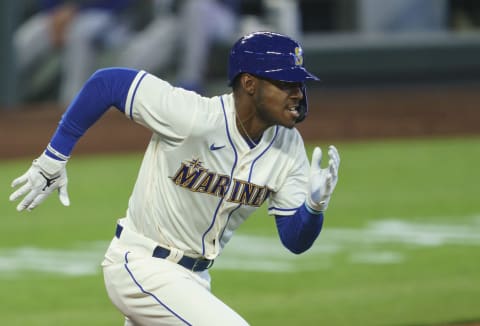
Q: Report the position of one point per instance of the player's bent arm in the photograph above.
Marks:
(299, 231)
(106, 88)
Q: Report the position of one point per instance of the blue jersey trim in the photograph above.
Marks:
(134, 94)
(231, 177)
(228, 220)
(261, 154)
(250, 177)
(283, 209)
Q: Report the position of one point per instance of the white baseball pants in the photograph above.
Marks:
(155, 291)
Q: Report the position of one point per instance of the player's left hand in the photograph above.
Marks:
(44, 176)
(322, 182)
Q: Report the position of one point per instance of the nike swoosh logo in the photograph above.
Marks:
(214, 148)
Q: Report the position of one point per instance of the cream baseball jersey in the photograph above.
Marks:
(194, 202)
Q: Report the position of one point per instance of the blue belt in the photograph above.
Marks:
(193, 264)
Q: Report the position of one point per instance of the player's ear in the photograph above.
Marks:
(248, 83)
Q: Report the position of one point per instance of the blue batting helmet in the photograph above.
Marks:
(270, 55)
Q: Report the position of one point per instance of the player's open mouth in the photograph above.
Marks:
(294, 111)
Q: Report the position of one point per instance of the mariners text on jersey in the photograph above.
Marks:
(194, 177)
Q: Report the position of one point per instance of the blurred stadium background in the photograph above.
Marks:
(376, 81)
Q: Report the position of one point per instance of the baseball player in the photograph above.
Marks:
(210, 164)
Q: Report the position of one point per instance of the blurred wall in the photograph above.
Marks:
(337, 48)
(8, 21)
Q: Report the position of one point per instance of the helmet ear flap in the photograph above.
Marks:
(303, 106)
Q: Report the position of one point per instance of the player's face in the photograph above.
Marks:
(276, 102)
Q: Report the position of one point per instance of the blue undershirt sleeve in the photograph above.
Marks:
(299, 231)
(104, 89)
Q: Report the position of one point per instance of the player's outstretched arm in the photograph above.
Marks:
(106, 88)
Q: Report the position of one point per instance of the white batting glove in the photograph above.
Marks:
(322, 182)
(42, 178)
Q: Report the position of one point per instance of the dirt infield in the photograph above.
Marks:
(335, 114)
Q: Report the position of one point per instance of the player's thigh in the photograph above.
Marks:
(185, 302)
(152, 291)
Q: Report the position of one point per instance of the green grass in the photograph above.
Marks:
(415, 181)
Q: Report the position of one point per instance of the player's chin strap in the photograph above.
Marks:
(302, 108)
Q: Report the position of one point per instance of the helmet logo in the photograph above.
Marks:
(298, 56)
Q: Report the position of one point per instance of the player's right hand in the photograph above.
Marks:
(42, 178)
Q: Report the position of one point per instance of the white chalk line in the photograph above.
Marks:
(365, 245)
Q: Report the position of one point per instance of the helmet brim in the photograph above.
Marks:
(292, 74)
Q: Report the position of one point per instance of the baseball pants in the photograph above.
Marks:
(156, 291)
